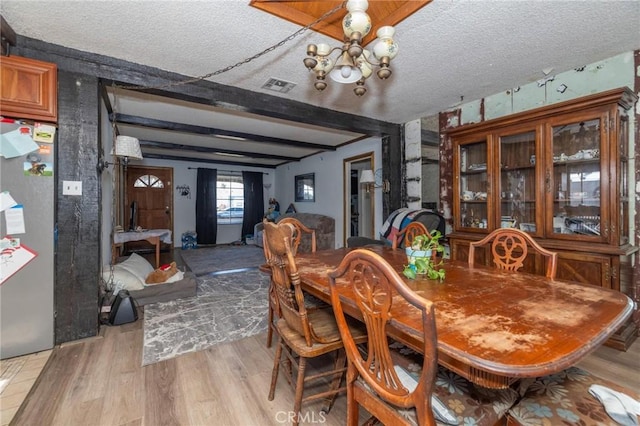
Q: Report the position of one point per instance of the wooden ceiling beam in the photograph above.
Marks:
(212, 150)
(211, 131)
(207, 160)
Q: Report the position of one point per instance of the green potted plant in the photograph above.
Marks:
(421, 256)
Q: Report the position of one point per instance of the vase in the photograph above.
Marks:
(412, 255)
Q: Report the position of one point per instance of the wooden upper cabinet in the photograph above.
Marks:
(28, 89)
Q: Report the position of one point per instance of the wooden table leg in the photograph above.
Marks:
(156, 241)
(157, 252)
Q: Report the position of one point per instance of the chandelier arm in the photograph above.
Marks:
(341, 49)
(367, 60)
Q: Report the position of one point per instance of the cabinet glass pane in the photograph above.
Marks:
(473, 185)
(576, 178)
(623, 173)
(518, 181)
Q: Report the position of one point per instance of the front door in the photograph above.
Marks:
(149, 198)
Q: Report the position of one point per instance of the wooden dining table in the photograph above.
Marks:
(494, 327)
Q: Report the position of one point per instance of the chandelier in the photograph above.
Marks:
(353, 63)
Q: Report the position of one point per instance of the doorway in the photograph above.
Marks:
(358, 202)
(148, 202)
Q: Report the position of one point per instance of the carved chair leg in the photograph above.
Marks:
(302, 367)
(341, 362)
(270, 326)
(276, 367)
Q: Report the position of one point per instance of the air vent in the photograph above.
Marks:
(278, 85)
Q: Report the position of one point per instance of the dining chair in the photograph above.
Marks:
(408, 233)
(509, 248)
(392, 382)
(299, 230)
(302, 333)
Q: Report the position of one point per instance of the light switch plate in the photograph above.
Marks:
(71, 187)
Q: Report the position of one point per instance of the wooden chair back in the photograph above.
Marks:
(286, 280)
(375, 284)
(509, 249)
(300, 230)
(407, 234)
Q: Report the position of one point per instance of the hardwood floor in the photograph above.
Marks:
(100, 381)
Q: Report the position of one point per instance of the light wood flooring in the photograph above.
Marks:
(100, 381)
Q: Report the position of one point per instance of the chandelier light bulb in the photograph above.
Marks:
(357, 20)
(363, 63)
(323, 49)
(345, 70)
(385, 45)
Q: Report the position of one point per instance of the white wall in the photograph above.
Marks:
(184, 208)
(327, 167)
(413, 164)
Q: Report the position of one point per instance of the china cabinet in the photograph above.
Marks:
(560, 173)
(29, 89)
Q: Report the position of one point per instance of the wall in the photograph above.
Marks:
(329, 183)
(184, 208)
(412, 163)
(107, 185)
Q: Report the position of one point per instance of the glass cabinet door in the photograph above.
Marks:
(473, 186)
(623, 181)
(517, 184)
(575, 181)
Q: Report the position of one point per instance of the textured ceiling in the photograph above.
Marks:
(447, 49)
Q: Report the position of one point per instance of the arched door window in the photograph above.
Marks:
(148, 181)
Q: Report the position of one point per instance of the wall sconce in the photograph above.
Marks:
(125, 147)
(267, 186)
(373, 180)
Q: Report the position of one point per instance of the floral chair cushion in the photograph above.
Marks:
(471, 404)
(562, 399)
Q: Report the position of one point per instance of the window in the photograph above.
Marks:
(148, 181)
(230, 199)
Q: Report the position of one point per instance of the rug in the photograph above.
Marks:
(227, 307)
(206, 260)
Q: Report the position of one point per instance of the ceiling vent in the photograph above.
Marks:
(278, 85)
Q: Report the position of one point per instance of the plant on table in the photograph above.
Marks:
(421, 256)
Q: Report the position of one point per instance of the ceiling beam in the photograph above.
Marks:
(206, 160)
(7, 37)
(205, 92)
(212, 150)
(211, 131)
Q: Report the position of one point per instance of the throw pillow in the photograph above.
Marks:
(138, 266)
(121, 279)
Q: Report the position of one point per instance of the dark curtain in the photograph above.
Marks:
(253, 202)
(206, 209)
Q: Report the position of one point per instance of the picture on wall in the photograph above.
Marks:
(305, 187)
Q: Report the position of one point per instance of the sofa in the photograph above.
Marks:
(325, 227)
